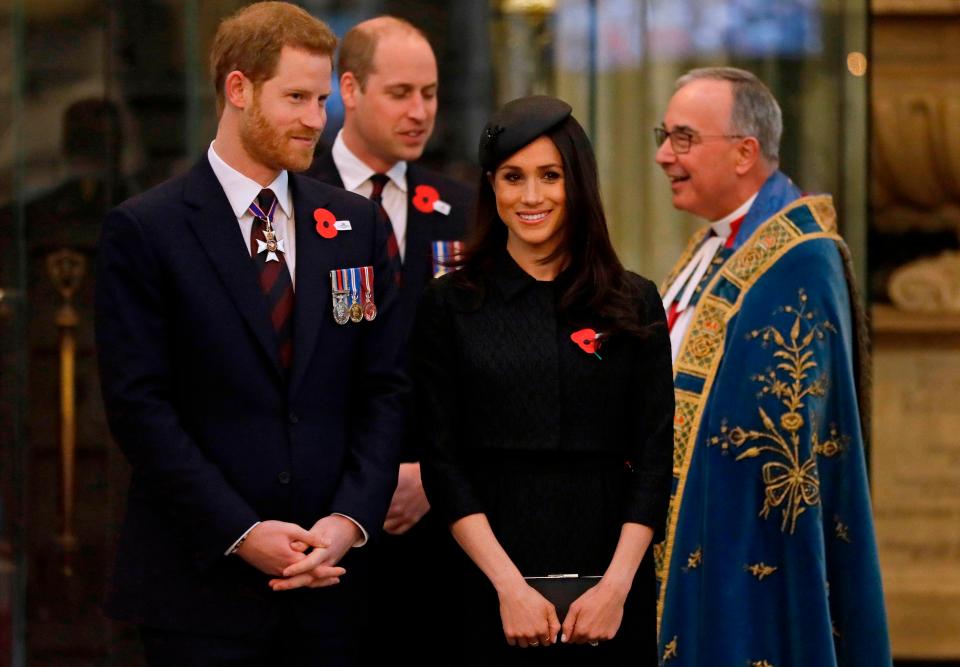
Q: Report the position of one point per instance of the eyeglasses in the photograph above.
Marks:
(682, 140)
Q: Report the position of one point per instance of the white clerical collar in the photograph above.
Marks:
(354, 172)
(241, 190)
(722, 226)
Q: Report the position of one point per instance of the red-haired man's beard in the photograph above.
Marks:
(277, 149)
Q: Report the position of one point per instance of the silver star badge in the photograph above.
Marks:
(271, 246)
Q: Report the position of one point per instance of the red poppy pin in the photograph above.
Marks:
(588, 340)
(327, 224)
(426, 199)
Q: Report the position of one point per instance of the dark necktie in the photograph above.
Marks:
(393, 248)
(274, 277)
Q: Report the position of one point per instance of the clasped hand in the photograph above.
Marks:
(529, 619)
(300, 558)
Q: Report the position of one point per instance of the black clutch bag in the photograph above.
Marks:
(562, 589)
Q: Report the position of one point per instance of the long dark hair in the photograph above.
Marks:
(594, 283)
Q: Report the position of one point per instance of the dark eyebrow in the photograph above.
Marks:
(539, 168)
(683, 128)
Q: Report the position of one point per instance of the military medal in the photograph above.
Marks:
(338, 287)
(356, 310)
(366, 294)
(271, 244)
(445, 253)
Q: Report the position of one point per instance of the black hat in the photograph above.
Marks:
(517, 124)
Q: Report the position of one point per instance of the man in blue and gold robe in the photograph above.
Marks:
(769, 558)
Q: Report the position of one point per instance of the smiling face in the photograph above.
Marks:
(282, 123)
(531, 199)
(390, 118)
(704, 181)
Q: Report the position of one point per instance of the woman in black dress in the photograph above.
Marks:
(544, 385)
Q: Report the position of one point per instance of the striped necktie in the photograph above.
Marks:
(274, 276)
(379, 181)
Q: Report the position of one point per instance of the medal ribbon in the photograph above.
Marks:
(258, 212)
(366, 281)
(443, 252)
(354, 286)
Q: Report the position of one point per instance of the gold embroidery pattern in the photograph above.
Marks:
(694, 560)
(821, 207)
(683, 418)
(842, 530)
(659, 561)
(706, 337)
(824, 212)
(761, 663)
(670, 650)
(792, 483)
(764, 245)
(761, 570)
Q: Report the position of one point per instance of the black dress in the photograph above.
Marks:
(557, 446)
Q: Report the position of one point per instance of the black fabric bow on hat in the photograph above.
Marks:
(518, 123)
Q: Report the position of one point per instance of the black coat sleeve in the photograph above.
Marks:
(439, 403)
(652, 458)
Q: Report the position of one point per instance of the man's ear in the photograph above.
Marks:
(349, 89)
(748, 154)
(238, 89)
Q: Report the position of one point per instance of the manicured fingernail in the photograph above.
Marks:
(563, 638)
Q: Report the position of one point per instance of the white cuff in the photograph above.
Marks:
(236, 545)
(366, 535)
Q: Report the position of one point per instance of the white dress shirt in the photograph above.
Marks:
(242, 191)
(684, 286)
(355, 175)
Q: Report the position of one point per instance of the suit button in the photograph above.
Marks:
(284, 477)
(294, 418)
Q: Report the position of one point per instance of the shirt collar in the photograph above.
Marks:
(354, 172)
(241, 191)
(509, 278)
(722, 227)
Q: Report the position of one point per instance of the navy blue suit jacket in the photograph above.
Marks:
(422, 228)
(218, 435)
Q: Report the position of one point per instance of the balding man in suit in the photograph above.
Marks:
(388, 81)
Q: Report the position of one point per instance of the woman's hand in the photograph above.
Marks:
(596, 615)
(529, 619)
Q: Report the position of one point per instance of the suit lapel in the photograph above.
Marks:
(312, 293)
(215, 225)
(418, 260)
(325, 170)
